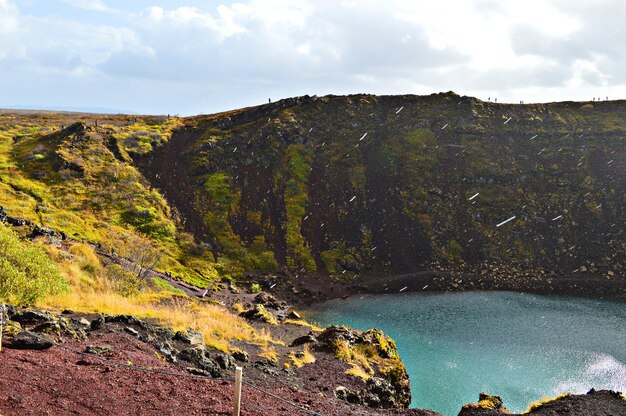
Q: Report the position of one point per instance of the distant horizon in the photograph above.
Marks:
(114, 111)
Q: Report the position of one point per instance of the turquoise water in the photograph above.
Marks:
(519, 346)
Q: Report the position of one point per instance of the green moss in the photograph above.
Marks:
(336, 258)
(167, 286)
(296, 168)
(220, 203)
(454, 250)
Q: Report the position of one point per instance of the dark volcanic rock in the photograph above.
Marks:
(241, 356)
(198, 358)
(267, 300)
(190, 337)
(225, 361)
(29, 317)
(125, 319)
(98, 349)
(168, 351)
(259, 313)
(50, 327)
(392, 389)
(305, 339)
(594, 403)
(98, 323)
(27, 341)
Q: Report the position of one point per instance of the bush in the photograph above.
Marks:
(27, 274)
(124, 282)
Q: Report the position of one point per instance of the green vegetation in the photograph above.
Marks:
(82, 181)
(296, 168)
(166, 286)
(255, 288)
(220, 202)
(303, 186)
(27, 274)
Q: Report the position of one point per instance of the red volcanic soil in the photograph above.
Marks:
(60, 382)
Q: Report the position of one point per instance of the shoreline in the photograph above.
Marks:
(308, 291)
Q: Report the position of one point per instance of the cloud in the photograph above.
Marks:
(8, 17)
(94, 5)
(239, 53)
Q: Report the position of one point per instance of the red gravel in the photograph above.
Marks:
(60, 382)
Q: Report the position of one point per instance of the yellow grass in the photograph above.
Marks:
(302, 358)
(352, 355)
(537, 404)
(358, 371)
(270, 355)
(92, 293)
(301, 322)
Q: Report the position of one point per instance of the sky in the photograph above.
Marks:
(204, 56)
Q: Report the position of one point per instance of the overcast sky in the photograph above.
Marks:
(203, 56)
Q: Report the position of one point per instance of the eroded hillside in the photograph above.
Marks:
(356, 185)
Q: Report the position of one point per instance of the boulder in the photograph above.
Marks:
(31, 317)
(163, 333)
(46, 232)
(487, 406)
(82, 321)
(241, 356)
(97, 323)
(98, 349)
(225, 361)
(168, 351)
(125, 319)
(334, 333)
(198, 358)
(27, 341)
(259, 313)
(269, 301)
(382, 391)
(50, 328)
(343, 393)
(191, 337)
(305, 339)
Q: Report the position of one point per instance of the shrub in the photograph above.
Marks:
(125, 282)
(27, 274)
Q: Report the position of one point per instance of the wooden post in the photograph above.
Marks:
(1, 322)
(237, 403)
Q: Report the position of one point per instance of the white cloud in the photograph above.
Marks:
(247, 50)
(94, 5)
(8, 16)
(155, 13)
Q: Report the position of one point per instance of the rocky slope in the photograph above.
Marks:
(91, 364)
(354, 186)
